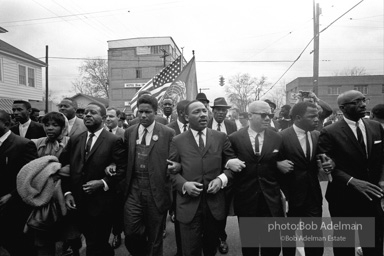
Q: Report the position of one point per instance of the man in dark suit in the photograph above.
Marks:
(158, 118)
(15, 152)
(167, 106)
(299, 167)
(256, 188)
(180, 126)
(26, 127)
(111, 121)
(68, 107)
(88, 190)
(147, 183)
(356, 145)
(200, 202)
(111, 125)
(220, 123)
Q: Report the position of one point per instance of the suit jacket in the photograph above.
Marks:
(78, 127)
(15, 152)
(158, 119)
(259, 177)
(303, 179)
(229, 125)
(119, 132)
(172, 119)
(107, 149)
(201, 167)
(35, 130)
(339, 142)
(175, 126)
(157, 166)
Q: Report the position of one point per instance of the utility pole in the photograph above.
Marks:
(46, 80)
(165, 55)
(316, 25)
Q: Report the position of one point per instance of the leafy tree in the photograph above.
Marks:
(242, 89)
(93, 78)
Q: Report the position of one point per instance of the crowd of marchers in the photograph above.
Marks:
(97, 173)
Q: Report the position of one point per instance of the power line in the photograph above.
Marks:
(61, 16)
(308, 45)
(207, 61)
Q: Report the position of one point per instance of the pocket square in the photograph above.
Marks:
(377, 142)
(275, 151)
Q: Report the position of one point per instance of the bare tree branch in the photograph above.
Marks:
(243, 89)
(93, 79)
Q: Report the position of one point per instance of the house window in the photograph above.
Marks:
(138, 73)
(31, 77)
(333, 90)
(157, 49)
(22, 75)
(361, 88)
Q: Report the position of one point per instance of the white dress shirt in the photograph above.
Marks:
(252, 136)
(352, 125)
(301, 136)
(148, 137)
(23, 128)
(181, 126)
(222, 126)
(222, 177)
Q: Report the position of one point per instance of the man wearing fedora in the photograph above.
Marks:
(203, 99)
(220, 123)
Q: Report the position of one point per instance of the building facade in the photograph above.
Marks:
(20, 75)
(133, 62)
(332, 86)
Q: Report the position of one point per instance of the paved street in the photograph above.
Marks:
(233, 237)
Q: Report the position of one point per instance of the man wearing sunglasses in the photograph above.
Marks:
(356, 145)
(256, 185)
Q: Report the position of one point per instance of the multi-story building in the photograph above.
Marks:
(331, 86)
(20, 76)
(133, 62)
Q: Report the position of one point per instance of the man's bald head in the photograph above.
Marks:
(352, 104)
(348, 96)
(259, 105)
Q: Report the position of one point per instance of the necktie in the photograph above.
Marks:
(201, 142)
(360, 138)
(143, 141)
(110, 130)
(257, 145)
(185, 128)
(218, 127)
(308, 147)
(89, 143)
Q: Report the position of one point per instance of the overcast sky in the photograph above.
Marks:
(233, 33)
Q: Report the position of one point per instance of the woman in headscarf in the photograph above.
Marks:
(56, 127)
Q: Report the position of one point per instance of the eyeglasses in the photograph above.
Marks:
(358, 101)
(263, 115)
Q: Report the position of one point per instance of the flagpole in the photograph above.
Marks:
(181, 62)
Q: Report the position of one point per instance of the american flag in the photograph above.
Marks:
(160, 82)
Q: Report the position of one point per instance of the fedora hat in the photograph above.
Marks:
(201, 97)
(220, 102)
